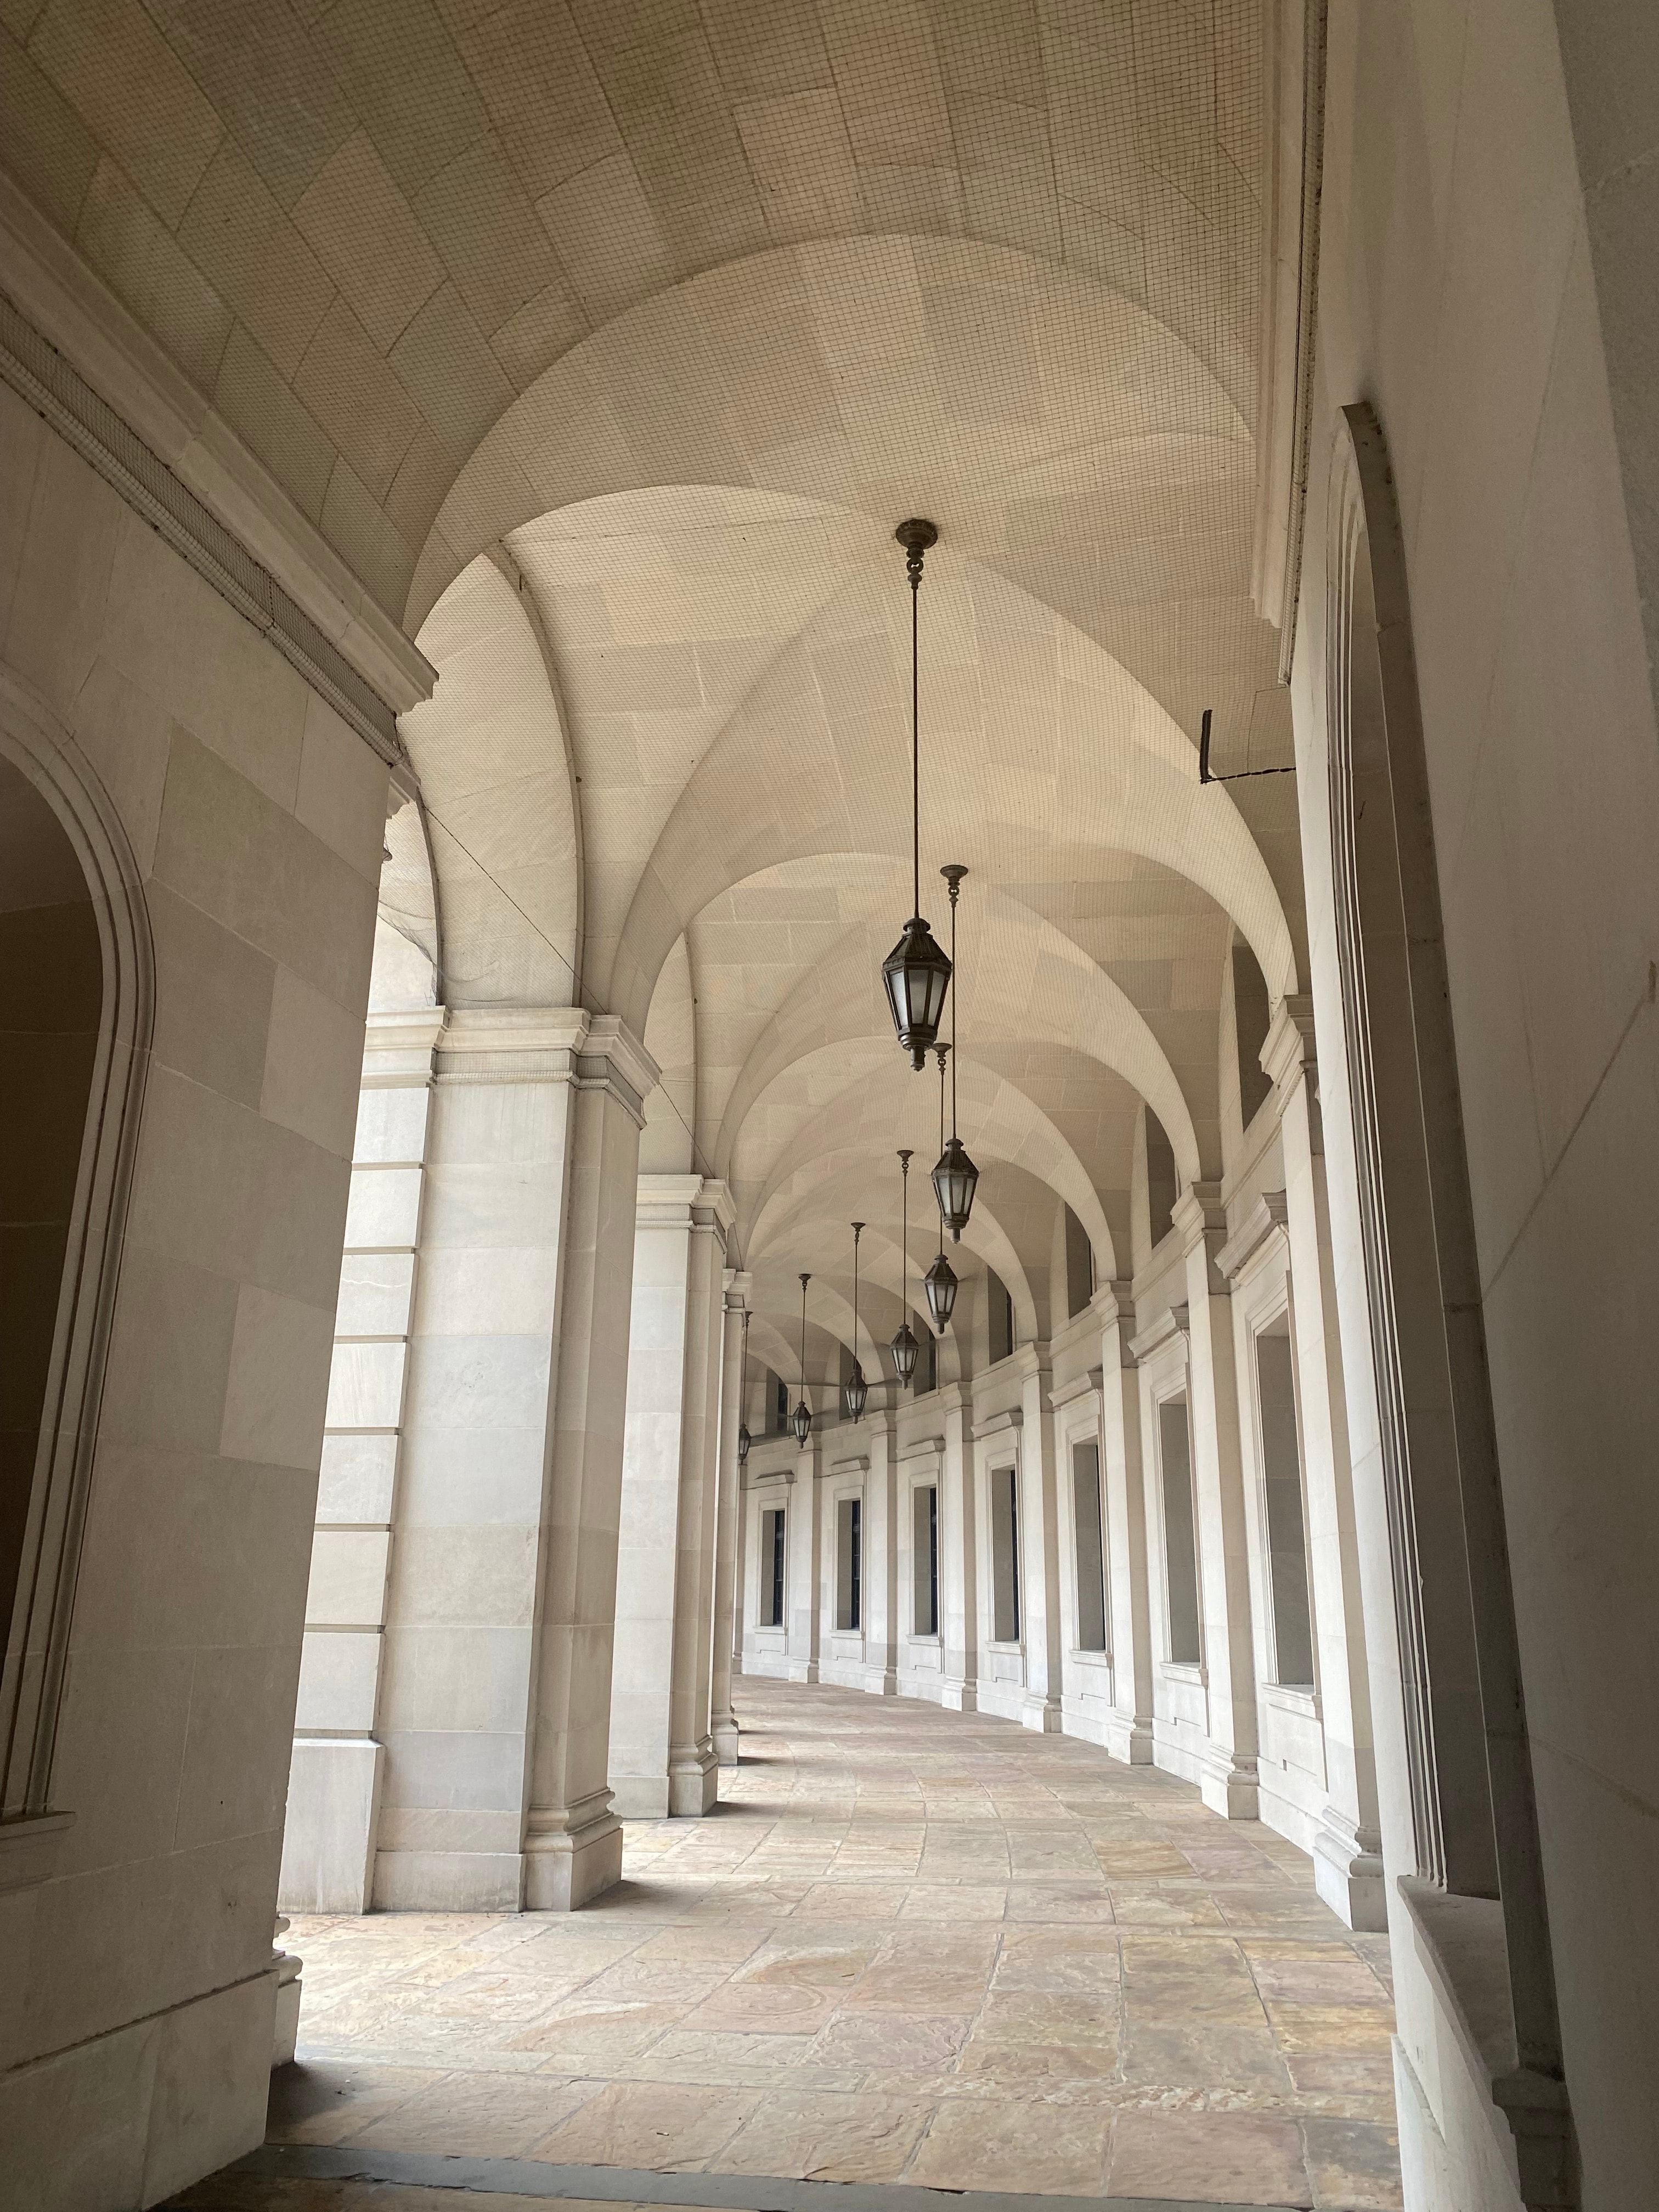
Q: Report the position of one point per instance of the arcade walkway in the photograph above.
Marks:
(910, 1947)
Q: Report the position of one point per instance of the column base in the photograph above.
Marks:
(567, 1864)
(1349, 1876)
(802, 1670)
(1043, 1714)
(693, 1782)
(1131, 1740)
(725, 1734)
(1229, 1786)
(959, 1697)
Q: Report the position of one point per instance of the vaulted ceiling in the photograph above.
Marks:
(607, 342)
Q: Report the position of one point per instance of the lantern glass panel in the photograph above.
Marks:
(940, 1283)
(905, 1350)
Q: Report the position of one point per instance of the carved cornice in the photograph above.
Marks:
(922, 1448)
(1287, 1051)
(1173, 1324)
(999, 1424)
(1080, 1386)
(1265, 1218)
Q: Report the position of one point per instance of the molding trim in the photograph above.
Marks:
(1268, 1215)
(997, 1424)
(1174, 1321)
(922, 1447)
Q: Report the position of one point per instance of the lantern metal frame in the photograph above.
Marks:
(855, 1391)
(904, 1347)
(955, 1179)
(801, 1419)
(916, 974)
(743, 1438)
(940, 1281)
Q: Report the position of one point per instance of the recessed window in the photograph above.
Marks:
(771, 1553)
(1249, 1030)
(849, 1562)
(1180, 1545)
(1090, 1546)
(1287, 1538)
(1004, 1555)
(924, 1559)
(1160, 1180)
(779, 1405)
(1002, 1316)
(1079, 1265)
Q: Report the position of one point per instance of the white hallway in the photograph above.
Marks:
(468, 742)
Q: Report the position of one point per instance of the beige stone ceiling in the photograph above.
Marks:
(607, 343)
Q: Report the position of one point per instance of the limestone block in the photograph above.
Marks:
(385, 1208)
(339, 1680)
(328, 1845)
(357, 1479)
(365, 1386)
(348, 1577)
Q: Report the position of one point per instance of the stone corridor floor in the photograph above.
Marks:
(911, 1947)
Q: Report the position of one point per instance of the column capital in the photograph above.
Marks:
(684, 1201)
(1200, 1216)
(739, 1285)
(1288, 1050)
(609, 1057)
(399, 1048)
(1269, 1213)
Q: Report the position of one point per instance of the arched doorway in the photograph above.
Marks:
(75, 1008)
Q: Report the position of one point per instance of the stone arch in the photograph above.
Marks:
(36, 745)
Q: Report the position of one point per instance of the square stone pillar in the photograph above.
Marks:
(1039, 1536)
(1228, 1777)
(958, 1587)
(728, 1585)
(573, 1839)
(1124, 1505)
(1348, 1846)
(662, 1760)
(883, 1599)
(803, 1574)
(457, 1680)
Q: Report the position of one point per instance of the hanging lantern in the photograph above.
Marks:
(855, 1391)
(940, 1285)
(743, 1438)
(915, 974)
(955, 1178)
(904, 1347)
(801, 1419)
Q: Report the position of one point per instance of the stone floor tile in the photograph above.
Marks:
(475, 2116)
(1235, 2061)
(1333, 2027)
(1353, 2165)
(822, 2138)
(1334, 1978)
(995, 2143)
(319, 2103)
(1214, 2157)
(952, 1901)
(656, 2125)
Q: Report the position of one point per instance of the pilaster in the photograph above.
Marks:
(958, 1591)
(1228, 1779)
(736, 1287)
(1123, 1483)
(573, 1840)
(1348, 1848)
